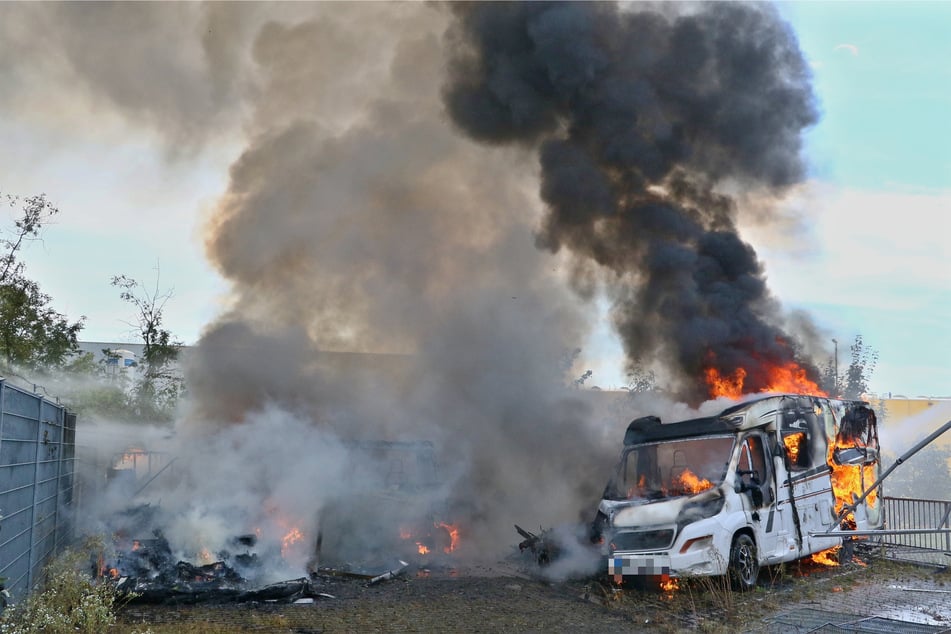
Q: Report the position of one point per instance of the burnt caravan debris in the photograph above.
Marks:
(755, 485)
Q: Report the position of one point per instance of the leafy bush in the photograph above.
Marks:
(70, 600)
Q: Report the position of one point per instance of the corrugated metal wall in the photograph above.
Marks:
(37, 473)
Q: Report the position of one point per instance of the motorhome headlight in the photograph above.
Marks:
(700, 509)
(697, 543)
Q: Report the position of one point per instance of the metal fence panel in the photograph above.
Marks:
(911, 513)
(37, 467)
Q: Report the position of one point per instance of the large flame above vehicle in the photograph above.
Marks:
(788, 378)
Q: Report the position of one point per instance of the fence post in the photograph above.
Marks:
(36, 490)
(61, 415)
(3, 399)
(944, 522)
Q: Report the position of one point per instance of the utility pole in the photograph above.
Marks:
(836, 364)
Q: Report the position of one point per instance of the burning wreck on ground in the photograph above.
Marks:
(391, 518)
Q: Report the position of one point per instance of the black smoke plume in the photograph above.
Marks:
(642, 119)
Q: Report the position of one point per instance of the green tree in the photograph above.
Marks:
(100, 400)
(36, 213)
(860, 370)
(33, 335)
(851, 381)
(158, 386)
(640, 378)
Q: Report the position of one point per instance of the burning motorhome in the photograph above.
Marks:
(757, 484)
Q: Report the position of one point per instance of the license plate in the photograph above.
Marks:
(646, 566)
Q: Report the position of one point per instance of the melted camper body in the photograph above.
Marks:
(730, 493)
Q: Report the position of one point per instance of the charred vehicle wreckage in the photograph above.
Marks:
(392, 518)
(770, 480)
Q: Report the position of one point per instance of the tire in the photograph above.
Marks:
(744, 563)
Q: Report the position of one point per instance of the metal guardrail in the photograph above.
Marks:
(928, 518)
(37, 481)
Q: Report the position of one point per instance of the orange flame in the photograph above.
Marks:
(849, 481)
(427, 538)
(790, 378)
(793, 444)
(827, 557)
(728, 386)
(638, 488)
(669, 585)
(114, 573)
(128, 459)
(292, 537)
(453, 531)
(691, 483)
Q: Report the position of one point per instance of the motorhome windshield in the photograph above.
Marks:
(653, 471)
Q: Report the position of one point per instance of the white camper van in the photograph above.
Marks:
(730, 493)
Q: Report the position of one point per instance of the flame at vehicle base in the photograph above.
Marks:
(669, 584)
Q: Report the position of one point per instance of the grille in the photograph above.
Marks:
(643, 540)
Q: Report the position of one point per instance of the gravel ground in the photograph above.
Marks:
(504, 598)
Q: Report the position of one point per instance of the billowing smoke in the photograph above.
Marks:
(642, 120)
(385, 280)
(386, 288)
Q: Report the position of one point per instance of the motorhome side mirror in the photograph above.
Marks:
(855, 455)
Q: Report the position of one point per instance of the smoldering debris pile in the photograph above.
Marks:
(148, 563)
(147, 571)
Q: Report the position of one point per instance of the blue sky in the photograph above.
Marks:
(882, 74)
(882, 154)
(867, 256)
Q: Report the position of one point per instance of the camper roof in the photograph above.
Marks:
(734, 417)
(650, 429)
